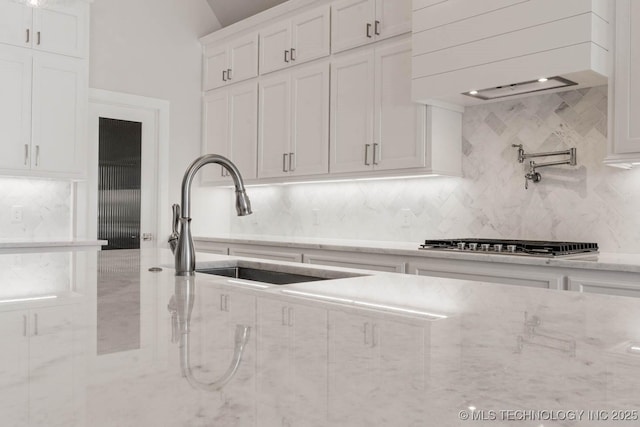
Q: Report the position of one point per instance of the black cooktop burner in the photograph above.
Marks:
(513, 247)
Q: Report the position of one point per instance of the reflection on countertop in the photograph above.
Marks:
(347, 352)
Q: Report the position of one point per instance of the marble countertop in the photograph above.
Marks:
(607, 261)
(29, 243)
(372, 350)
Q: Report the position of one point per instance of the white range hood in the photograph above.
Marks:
(468, 52)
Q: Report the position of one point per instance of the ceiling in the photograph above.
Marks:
(231, 11)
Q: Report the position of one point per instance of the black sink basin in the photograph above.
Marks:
(258, 275)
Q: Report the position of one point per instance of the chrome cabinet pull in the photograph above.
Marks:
(291, 162)
(293, 54)
(375, 147)
(284, 316)
(221, 302)
(226, 303)
(28, 35)
(224, 75)
(24, 325)
(37, 155)
(369, 30)
(284, 162)
(26, 154)
(377, 28)
(35, 325)
(228, 73)
(286, 56)
(38, 35)
(366, 154)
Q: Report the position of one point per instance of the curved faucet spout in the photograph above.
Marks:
(185, 254)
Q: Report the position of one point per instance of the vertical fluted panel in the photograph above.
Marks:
(119, 183)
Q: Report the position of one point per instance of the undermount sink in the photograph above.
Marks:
(274, 275)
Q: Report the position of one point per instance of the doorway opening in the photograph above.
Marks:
(119, 179)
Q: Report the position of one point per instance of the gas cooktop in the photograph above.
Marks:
(537, 248)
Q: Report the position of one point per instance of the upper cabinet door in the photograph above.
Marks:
(310, 120)
(393, 17)
(311, 35)
(15, 23)
(215, 134)
(61, 30)
(243, 127)
(352, 98)
(243, 57)
(15, 107)
(59, 93)
(215, 67)
(399, 134)
(275, 47)
(274, 126)
(353, 23)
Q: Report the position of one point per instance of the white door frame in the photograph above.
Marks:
(86, 203)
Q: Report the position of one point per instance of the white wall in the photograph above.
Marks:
(589, 202)
(150, 48)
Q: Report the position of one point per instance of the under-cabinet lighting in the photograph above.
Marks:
(473, 92)
(543, 79)
(521, 88)
(5, 301)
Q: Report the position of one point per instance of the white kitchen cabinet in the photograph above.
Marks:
(60, 30)
(232, 62)
(293, 136)
(303, 38)
(266, 254)
(38, 366)
(44, 100)
(374, 124)
(292, 363)
(624, 90)
(604, 286)
(230, 129)
(359, 261)
(389, 359)
(217, 312)
(359, 22)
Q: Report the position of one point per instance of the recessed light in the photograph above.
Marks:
(542, 80)
(473, 92)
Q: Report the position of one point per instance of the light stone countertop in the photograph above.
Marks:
(606, 261)
(36, 243)
(353, 351)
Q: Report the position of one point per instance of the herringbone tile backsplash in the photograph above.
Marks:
(588, 202)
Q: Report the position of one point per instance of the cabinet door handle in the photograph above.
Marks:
(377, 28)
(284, 316)
(224, 75)
(365, 331)
(293, 54)
(38, 36)
(37, 155)
(26, 154)
(226, 303)
(35, 324)
(292, 166)
(24, 325)
(375, 148)
(228, 73)
(366, 154)
(284, 162)
(221, 302)
(369, 30)
(28, 36)
(286, 56)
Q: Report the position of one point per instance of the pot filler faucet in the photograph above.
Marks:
(180, 240)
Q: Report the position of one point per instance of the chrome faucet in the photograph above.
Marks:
(184, 251)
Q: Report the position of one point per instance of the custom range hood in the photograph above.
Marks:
(467, 52)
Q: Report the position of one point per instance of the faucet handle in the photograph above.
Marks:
(173, 238)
